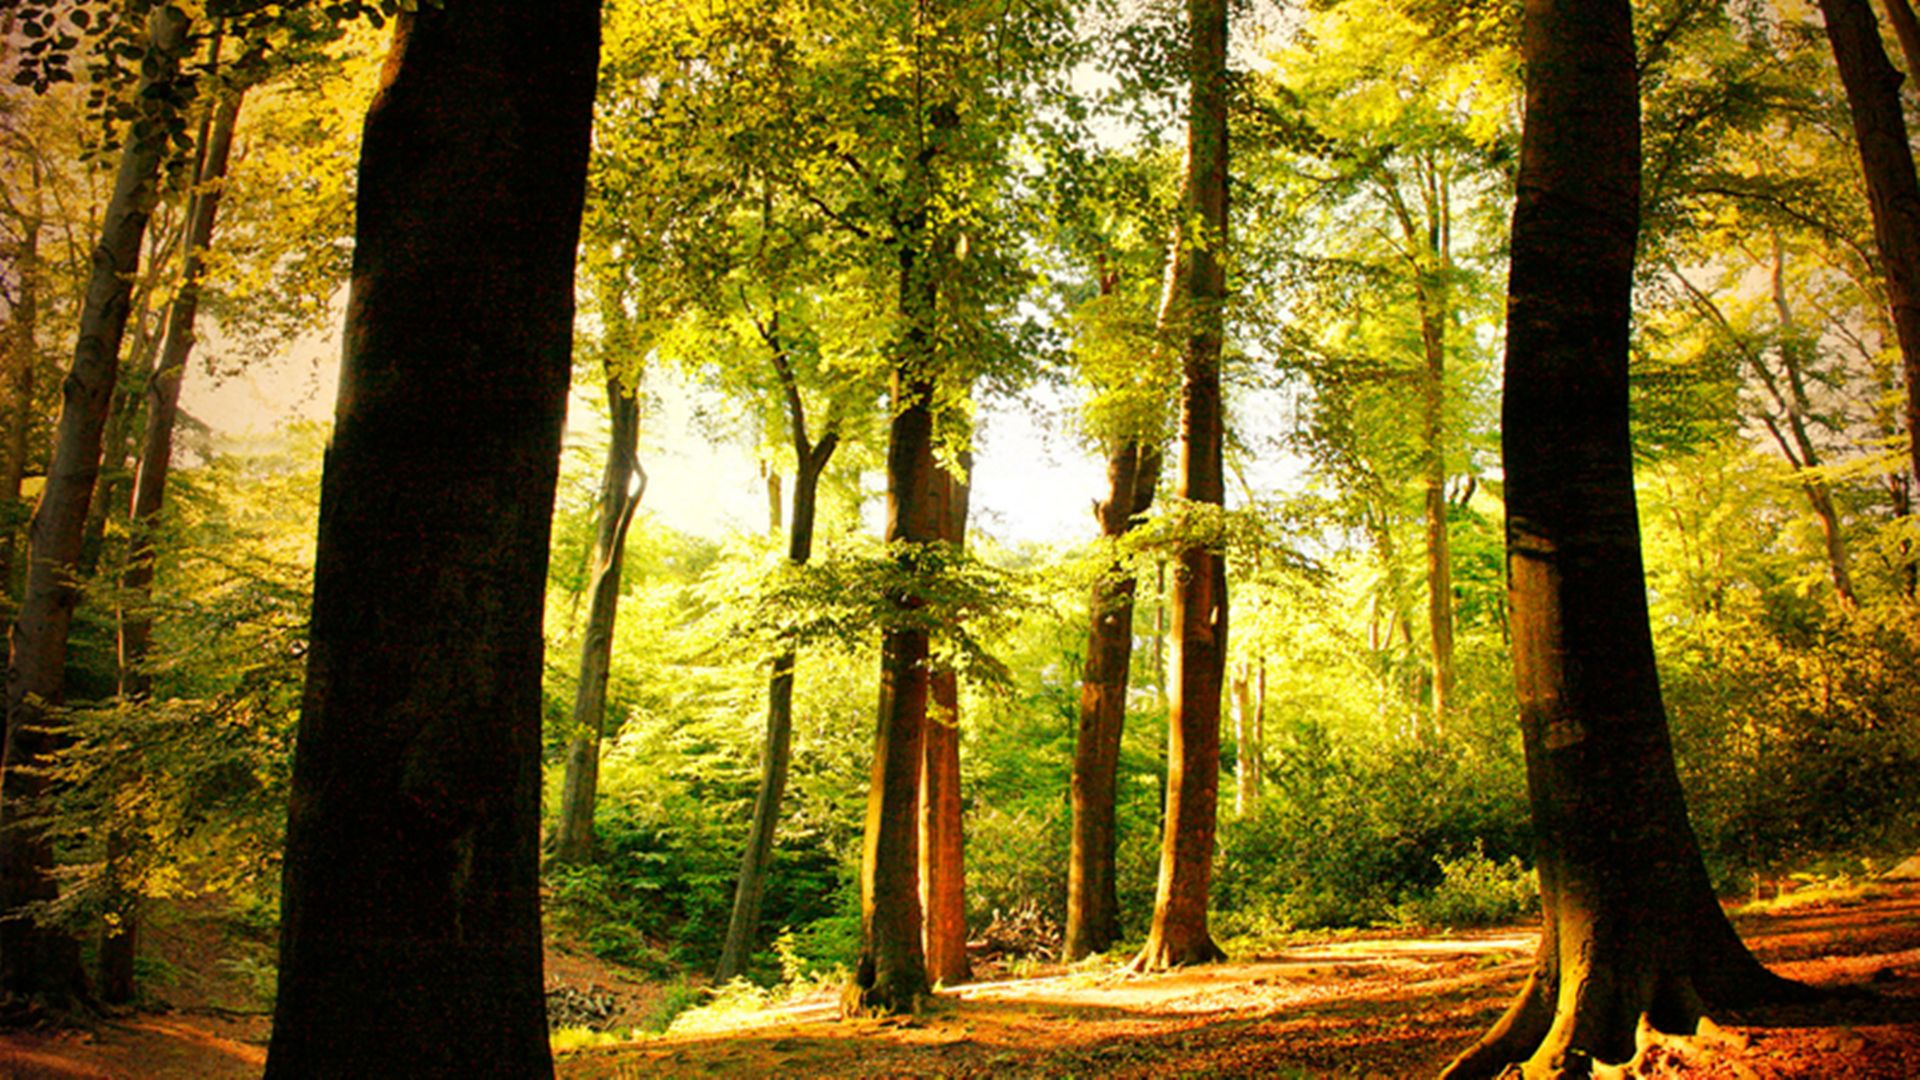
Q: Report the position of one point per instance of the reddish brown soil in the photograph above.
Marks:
(1387, 1006)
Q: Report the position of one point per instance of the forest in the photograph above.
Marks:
(850, 502)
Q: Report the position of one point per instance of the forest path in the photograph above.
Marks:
(1383, 1005)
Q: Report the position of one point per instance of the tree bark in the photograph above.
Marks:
(1179, 932)
(1093, 903)
(33, 959)
(1893, 194)
(621, 487)
(776, 754)
(1633, 931)
(117, 944)
(411, 899)
(943, 879)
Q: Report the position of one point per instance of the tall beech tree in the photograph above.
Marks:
(34, 959)
(215, 145)
(411, 897)
(1179, 932)
(1633, 930)
(1886, 157)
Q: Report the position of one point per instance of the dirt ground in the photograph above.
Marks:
(1387, 1005)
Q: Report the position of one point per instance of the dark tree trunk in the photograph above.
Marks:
(1893, 194)
(117, 944)
(36, 960)
(1906, 29)
(1179, 932)
(776, 754)
(621, 487)
(410, 928)
(1633, 931)
(1093, 903)
(943, 879)
(892, 972)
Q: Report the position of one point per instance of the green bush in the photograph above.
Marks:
(1474, 890)
(1345, 834)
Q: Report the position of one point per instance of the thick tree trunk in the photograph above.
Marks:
(149, 493)
(1893, 194)
(36, 960)
(776, 754)
(411, 899)
(1179, 932)
(1633, 931)
(1093, 903)
(621, 487)
(892, 972)
(943, 879)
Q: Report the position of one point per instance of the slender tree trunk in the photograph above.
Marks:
(1893, 194)
(1179, 932)
(1093, 903)
(117, 944)
(621, 487)
(36, 960)
(1906, 29)
(1243, 744)
(23, 358)
(776, 753)
(411, 898)
(943, 879)
(1439, 553)
(1633, 931)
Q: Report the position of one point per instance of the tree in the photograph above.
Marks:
(35, 959)
(943, 882)
(411, 898)
(621, 488)
(1179, 932)
(149, 490)
(1886, 157)
(1634, 933)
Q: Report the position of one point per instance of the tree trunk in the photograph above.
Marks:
(149, 492)
(621, 487)
(1179, 932)
(1439, 555)
(1906, 29)
(892, 972)
(410, 928)
(23, 358)
(1633, 931)
(36, 960)
(810, 461)
(1093, 903)
(1893, 194)
(943, 880)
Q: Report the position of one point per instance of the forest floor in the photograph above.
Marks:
(1385, 1004)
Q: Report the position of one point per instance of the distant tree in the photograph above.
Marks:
(1634, 934)
(411, 899)
(621, 487)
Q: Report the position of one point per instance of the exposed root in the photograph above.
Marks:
(1159, 956)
